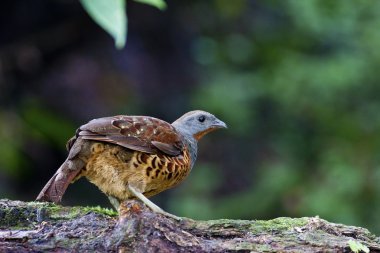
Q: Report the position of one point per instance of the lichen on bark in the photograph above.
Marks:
(33, 226)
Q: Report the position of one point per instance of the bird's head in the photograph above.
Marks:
(198, 123)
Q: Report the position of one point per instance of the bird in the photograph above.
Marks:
(132, 157)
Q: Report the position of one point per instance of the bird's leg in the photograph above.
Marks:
(114, 202)
(150, 204)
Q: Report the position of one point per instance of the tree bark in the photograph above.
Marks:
(45, 227)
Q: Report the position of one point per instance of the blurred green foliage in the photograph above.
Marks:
(33, 122)
(111, 16)
(307, 81)
(296, 81)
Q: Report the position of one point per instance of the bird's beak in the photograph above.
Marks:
(218, 124)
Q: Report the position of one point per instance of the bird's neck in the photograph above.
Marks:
(193, 148)
(191, 142)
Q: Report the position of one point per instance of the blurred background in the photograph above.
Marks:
(296, 81)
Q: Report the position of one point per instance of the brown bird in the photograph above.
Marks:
(132, 156)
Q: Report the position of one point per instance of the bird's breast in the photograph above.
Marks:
(111, 168)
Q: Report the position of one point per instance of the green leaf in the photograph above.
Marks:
(111, 16)
(357, 247)
(160, 4)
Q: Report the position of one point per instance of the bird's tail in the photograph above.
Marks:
(57, 185)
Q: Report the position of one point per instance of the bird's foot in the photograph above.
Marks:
(160, 211)
(151, 205)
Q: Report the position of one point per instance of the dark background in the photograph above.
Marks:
(296, 81)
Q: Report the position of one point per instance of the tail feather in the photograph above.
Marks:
(57, 185)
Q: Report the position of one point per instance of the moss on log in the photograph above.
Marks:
(36, 227)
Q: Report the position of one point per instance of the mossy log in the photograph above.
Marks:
(45, 227)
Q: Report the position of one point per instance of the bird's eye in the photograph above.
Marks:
(201, 118)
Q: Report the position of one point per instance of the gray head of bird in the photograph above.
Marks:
(197, 124)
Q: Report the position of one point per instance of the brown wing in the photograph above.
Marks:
(141, 133)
